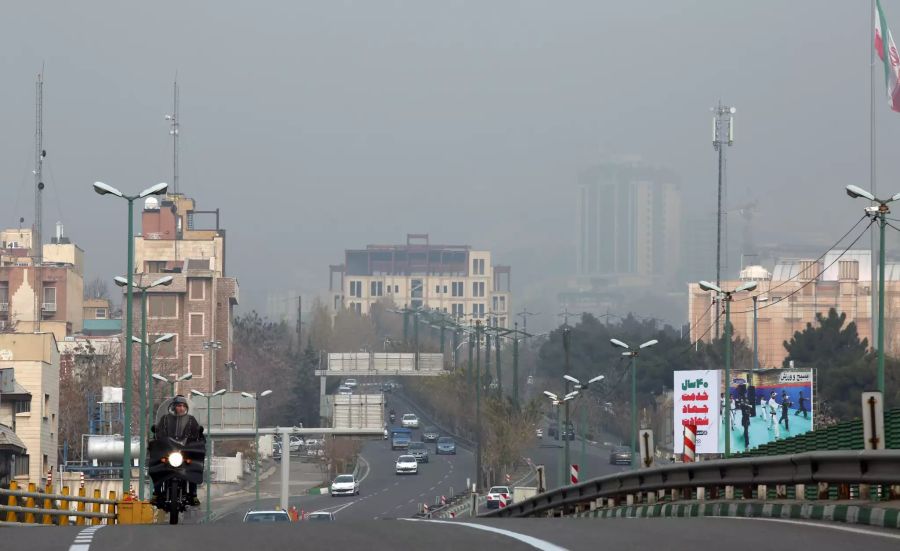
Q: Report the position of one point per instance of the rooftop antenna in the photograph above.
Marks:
(173, 131)
(722, 134)
(36, 231)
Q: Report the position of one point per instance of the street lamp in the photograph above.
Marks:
(256, 437)
(144, 379)
(756, 299)
(212, 346)
(232, 367)
(147, 410)
(207, 477)
(878, 212)
(727, 297)
(186, 377)
(633, 352)
(557, 401)
(582, 386)
(104, 189)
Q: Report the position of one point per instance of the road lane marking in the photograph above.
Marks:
(821, 525)
(84, 538)
(543, 545)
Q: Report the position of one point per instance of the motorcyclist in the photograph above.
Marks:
(181, 425)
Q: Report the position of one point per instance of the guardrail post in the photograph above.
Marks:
(64, 507)
(29, 502)
(112, 508)
(800, 492)
(651, 498)
(823, 490)
(729, 492)
(629, 499)
(865, 492)
(895, 491)
(96, 508)
(701, 493)
(47, 518)
(781, 491)
(11, 501)
(79, 520)
(747, 491)
(843, 491)
(762, 492)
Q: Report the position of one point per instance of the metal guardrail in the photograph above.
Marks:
(54, 508)
(713, 479)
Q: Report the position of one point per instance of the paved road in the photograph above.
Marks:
(514, 535)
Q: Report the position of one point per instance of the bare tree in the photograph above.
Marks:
(96, 288)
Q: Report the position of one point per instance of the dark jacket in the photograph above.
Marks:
(168, 426)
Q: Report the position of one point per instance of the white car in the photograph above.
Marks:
(267, 516)
(345, 390)
(407, 464)
(494, 494)
(409, 421)
(344, 484)
(350, 382)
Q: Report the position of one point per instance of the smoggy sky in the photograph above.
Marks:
(320, 126)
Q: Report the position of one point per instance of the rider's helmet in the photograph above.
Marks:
(179, 399)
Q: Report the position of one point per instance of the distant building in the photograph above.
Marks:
(794, 292)
(35, 401)
(47, 297)
(198, 307)
(451, 278)
(96, 309)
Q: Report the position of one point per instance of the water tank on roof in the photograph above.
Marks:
(755, 273)
(151, 203)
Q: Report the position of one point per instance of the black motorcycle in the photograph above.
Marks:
(393, 417)
(173, 464)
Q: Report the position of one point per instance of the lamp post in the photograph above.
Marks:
(557, 401)
(146, 408)
(212, 346)
(232, 367)
(208, 460)
(879, 212)
(756, 299)
(478, 329)
(144, 380)
(633, 352)
(727, 297)
(186, 377)
(583, 386)
(256, 436)
(104, 189)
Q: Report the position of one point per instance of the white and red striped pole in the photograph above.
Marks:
(690, 443)
(82, 479)
(502, 501)
(508, 479)
(443, 500)
(573, 473)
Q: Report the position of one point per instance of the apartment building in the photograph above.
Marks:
(179, 240)
(793, 293)
(46, 297)
(14, 398)
(32, 408)
(455, 279)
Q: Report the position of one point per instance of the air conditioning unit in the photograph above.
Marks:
(4, 307)
(48, 307)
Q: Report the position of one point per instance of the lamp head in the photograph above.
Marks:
(856, 192)
(596, 379)
(136, 339)
(120, 281)
(550, 395)
(707, 286)
(198, 393)
(103, 189)
(186, 377)
(165, 280)
(247, 395)
(165, 338)
(649, 343)
(571, 379)
(748, 286)
(160, 378)
(617, 342)
(158, 189)
(219, 392)
(265, 393)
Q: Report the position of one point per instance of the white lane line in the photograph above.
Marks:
(83, 538)
(543, 545)
(429, 489)
(822, 525)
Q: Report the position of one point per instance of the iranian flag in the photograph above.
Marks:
(887, 51)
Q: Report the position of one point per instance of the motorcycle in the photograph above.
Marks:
(393, 417)
(172, 464)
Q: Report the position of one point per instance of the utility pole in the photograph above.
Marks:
(37, 230)
(174, 131)
(723, 134)
(478, 404)
(565, 429)
(516, 365)
(300, 323)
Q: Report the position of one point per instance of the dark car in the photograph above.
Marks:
(620, 455)
(568, 432)
(419, 451)
(445, 444)
(430, 434)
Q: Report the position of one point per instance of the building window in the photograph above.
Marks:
(502, 303)
(100, 314)
(23, 406)
(21, 467)
(457, 310)
(162, 305)
(356, 307)
(496, 303)
(437, 289)
(356, 289)
(478, 310)
(197, 289)
(4, 295)
(445, 289)
(457, 288)
(196, 325)
(49, 298)
(477, 266)
(396, 289)
(168, 350)
(195, 365)
(477, 288)
(376, 288)
(154, 266)
(416, 288)
(45, 413)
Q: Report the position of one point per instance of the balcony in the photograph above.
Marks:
(48, 307)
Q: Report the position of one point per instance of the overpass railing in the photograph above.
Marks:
(863, 475)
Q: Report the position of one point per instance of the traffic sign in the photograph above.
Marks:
(873, 420)
(648, 448)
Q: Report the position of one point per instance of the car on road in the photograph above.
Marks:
(320, 516)
(419, 450)
(345, 390)
(344, 484)
(445, 445)
(267, 516)
(409, 421)
(400, 438)
(539, 432)
(350, 383)
(296, 443)
(406, 464)
(620, 455)
(495, 494)
(430, 434)
(568, 432)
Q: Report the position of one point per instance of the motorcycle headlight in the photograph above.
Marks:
(176, 459)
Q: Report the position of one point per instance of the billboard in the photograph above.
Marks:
(768, 405)
(696, 401)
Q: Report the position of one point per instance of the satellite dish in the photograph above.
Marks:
(151, 203)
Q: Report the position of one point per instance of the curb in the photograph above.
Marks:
(851, 514)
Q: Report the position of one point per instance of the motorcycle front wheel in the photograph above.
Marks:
(174, 502)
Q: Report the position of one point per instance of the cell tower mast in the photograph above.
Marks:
(37, 228)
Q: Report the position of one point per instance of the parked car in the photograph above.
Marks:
(445, 445)
(419, 450)
(620, 455)
(430, 434)
(320, 516)
(345, 390)
(494, 494)
(406, 464)
(350, 383)
(267, 516)
(296, 443)
(409, 421)
(344, 484)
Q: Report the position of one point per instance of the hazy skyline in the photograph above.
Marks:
(321, 126)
